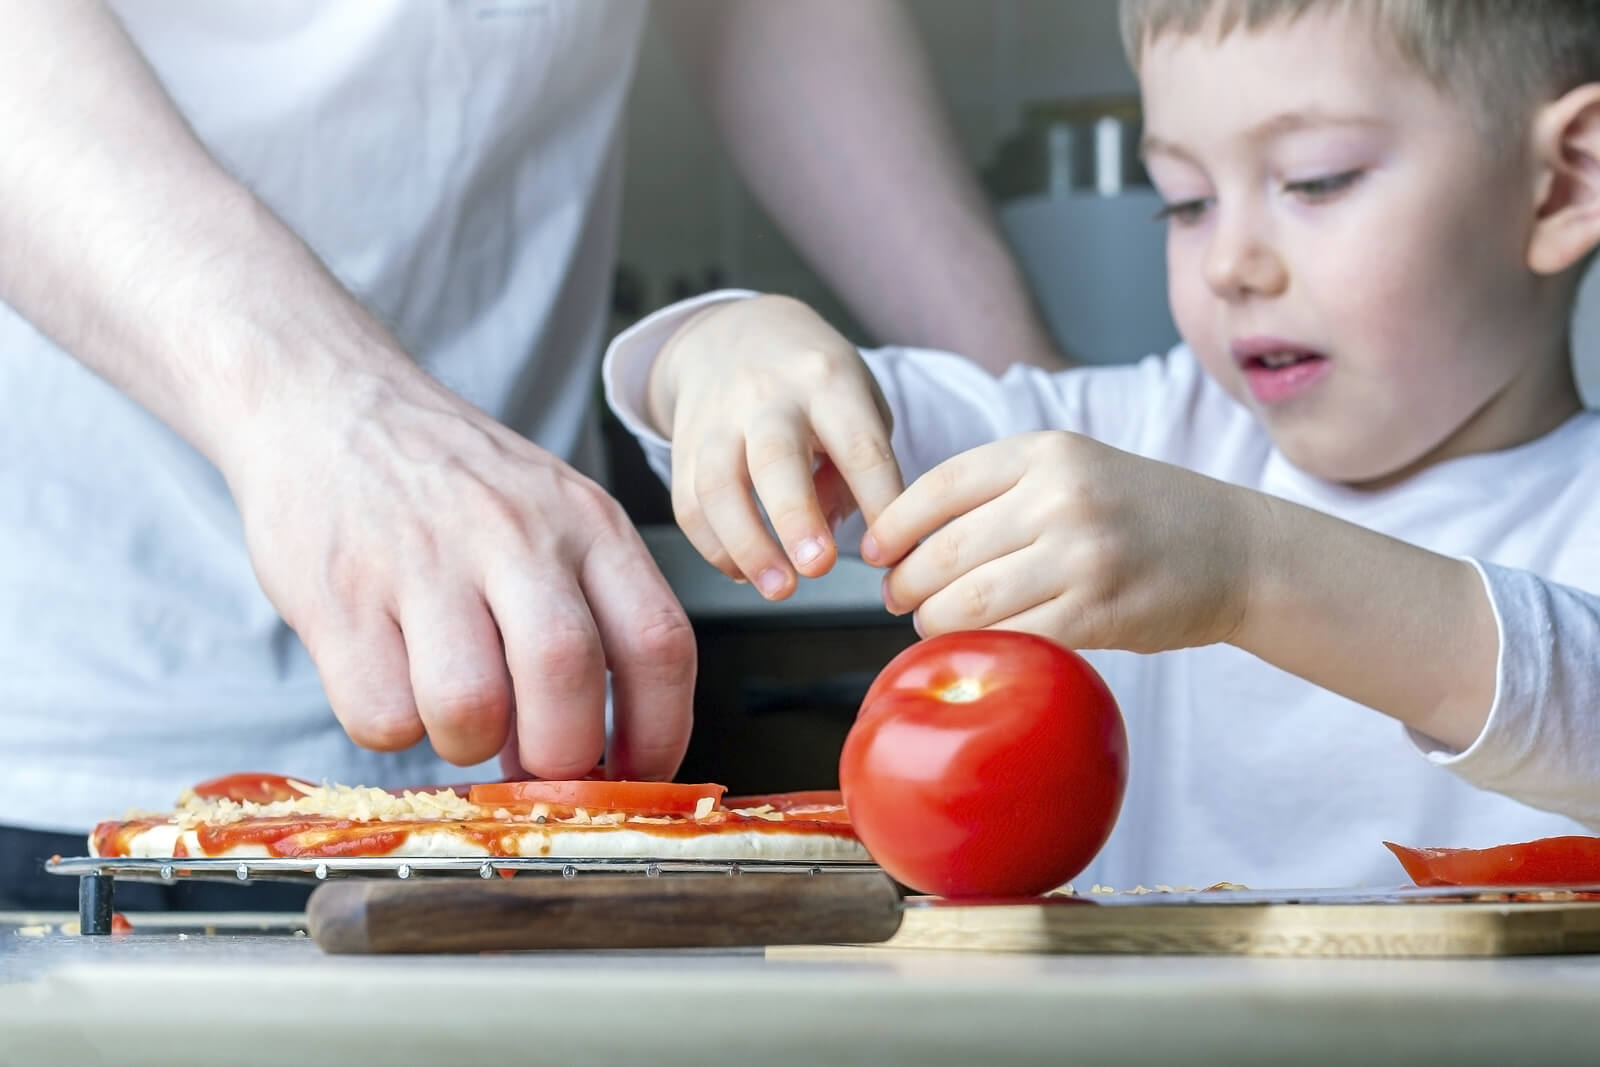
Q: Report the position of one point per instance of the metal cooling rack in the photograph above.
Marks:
(97, 875)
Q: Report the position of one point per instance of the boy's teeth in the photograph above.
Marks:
(1280, 359)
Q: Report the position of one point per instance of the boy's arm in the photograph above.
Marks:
(1387, 624)
(833, 117)
(1491, 668)
(1056, 534)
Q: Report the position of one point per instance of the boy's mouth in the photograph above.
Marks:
(1275, 360)
(1276, 370)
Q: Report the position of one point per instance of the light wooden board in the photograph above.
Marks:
(1391, 929)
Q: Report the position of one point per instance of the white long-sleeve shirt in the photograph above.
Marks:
(1240, 771)
(456, 166)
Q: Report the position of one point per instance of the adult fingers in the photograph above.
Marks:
(557, 668)
(367, 682)
(458, 671)
(650, 649)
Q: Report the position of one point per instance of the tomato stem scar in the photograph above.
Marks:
(964, 691)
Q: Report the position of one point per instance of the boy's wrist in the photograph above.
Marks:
(661, 388)
(1259, 587)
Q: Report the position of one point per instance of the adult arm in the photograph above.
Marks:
(446, 575)
(832, 116)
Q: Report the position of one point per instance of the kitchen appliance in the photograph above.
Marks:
(1077, 207)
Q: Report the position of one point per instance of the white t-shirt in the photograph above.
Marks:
(1240, 771)
(456, 165)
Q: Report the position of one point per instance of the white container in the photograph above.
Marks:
(1098, 267)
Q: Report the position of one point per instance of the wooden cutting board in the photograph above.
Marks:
(1400, 927)
(458, 915)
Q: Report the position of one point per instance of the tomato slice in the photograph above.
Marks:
(811, 805)
(1573, 860)
(635, 798)
(805, 798)
(247, 786)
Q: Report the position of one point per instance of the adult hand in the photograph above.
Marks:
(1056, 534)
(450, 578)
(767, 404)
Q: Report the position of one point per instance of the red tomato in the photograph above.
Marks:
(253, 786)
(985, 763)
(1573, 860)
(638, 798)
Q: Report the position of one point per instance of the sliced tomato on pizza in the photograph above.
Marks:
(268, 815)
(635, 798)
(816, 805)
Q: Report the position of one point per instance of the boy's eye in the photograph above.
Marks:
(1315, 189)
(1183, 212)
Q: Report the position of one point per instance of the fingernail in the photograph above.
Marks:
(916, 624)
(770, 582)
(869, 548)
(888, 601)
(808, 551)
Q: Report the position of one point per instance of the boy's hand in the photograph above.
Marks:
(765, 402)
(1056, 534)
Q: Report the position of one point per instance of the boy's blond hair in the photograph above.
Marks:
(1508, 56)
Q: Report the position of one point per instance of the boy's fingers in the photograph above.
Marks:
(855, 435)
(953, 488)
(990, 593)
(953, 553)
(833, 494)
(722, 487)
(691, 517)
(779, 455)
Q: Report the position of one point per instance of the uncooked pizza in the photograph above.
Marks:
(251, 816)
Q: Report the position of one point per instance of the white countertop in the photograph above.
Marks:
(152, 997)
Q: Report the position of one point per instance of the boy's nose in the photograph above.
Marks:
(1239, 263)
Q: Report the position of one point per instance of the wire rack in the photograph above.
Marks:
(97, 875)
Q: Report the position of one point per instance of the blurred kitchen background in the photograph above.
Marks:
(1047, 108)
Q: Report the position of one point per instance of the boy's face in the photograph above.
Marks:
(1347, 251)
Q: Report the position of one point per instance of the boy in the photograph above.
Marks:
(1364, 482)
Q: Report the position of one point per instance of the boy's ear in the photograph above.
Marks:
(1567, 201)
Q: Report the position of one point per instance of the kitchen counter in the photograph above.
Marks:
(174, 994)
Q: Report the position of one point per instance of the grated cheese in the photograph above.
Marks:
(360, 803)
(765, 811)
